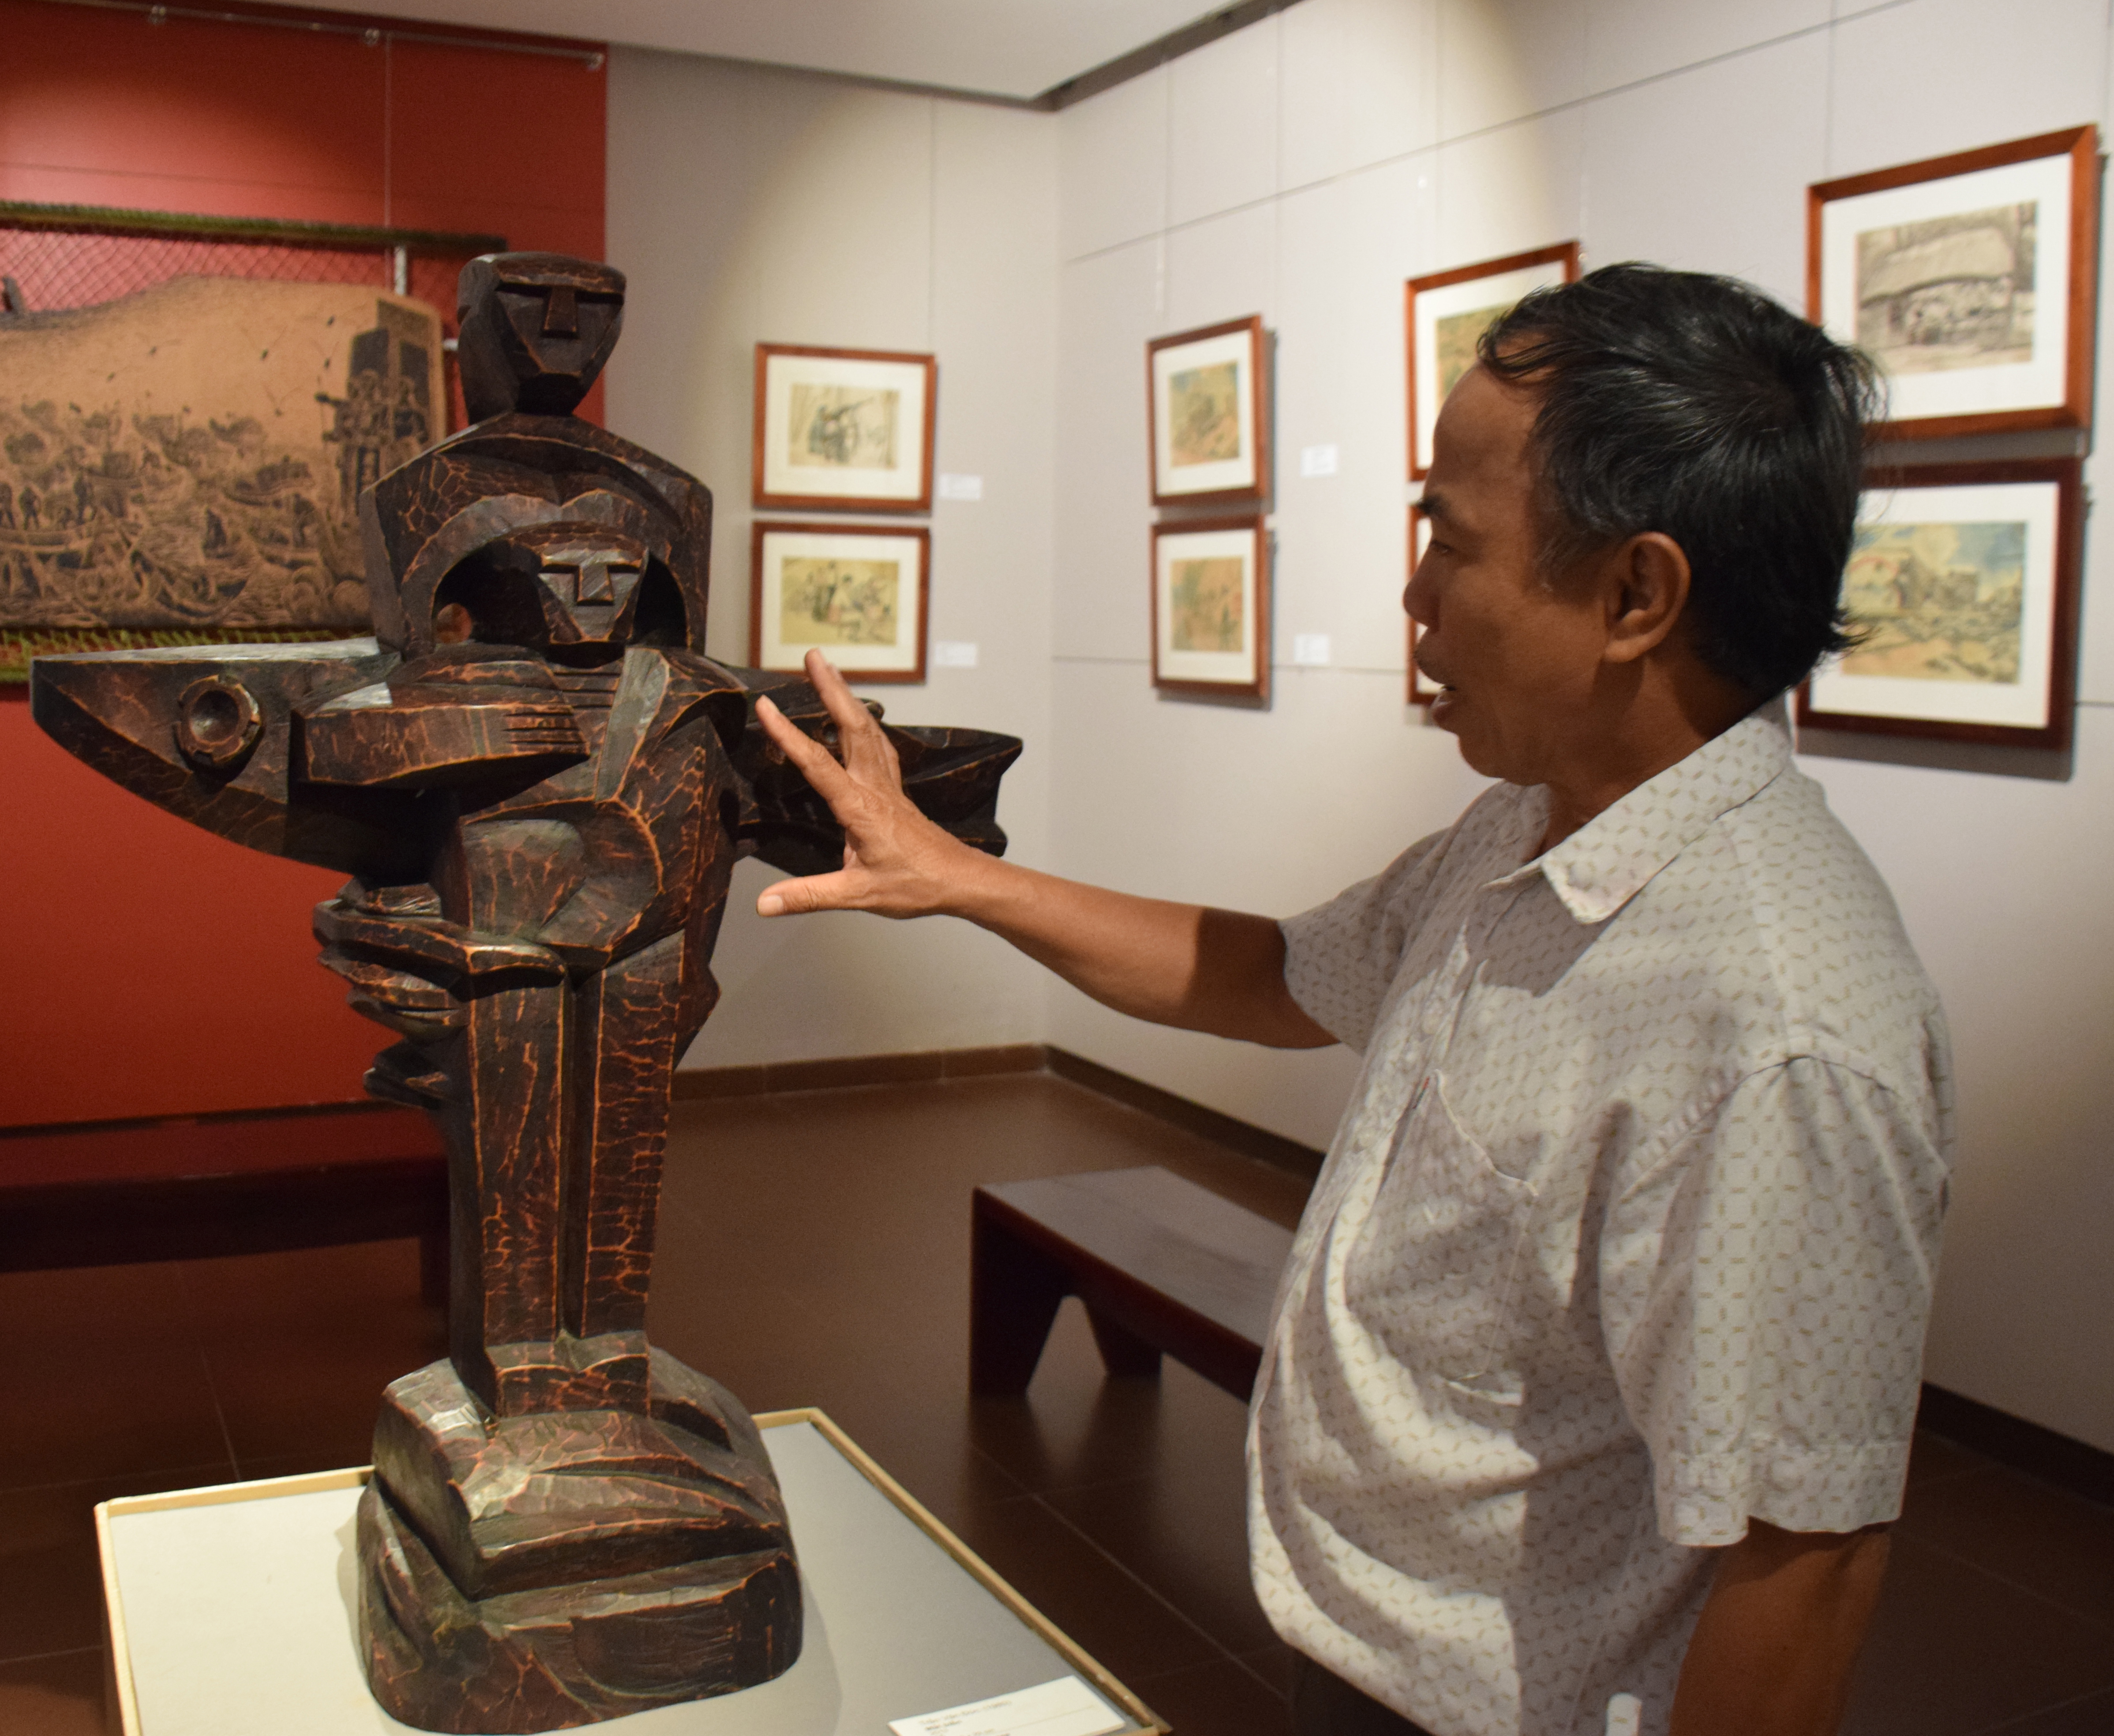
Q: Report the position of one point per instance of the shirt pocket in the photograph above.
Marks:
(1434, 1273)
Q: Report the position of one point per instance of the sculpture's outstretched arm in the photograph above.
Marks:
(951, 774)
(210, 734)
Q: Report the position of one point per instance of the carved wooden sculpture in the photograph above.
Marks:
(540, 786)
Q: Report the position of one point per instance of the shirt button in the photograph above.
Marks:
(1786, 1475)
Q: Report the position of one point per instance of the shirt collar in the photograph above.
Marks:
(1610, 859)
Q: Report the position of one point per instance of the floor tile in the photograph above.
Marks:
(301, 1344)
(1933, 1459)
(59, 1696)
(1216, 1699)
(2091, 1716)
(51, 1577)
(1186, 1538)
(2025, 1531)
(1123, 1625)
(1955, 1652)
(105, 1376)
(1274, 1663)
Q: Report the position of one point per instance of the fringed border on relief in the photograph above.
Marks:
(18, 644)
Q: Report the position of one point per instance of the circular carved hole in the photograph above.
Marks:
(217, 722)
(214, 717)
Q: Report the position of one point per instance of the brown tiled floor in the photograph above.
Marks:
(815, 1252)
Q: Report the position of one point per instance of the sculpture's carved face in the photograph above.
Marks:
(536, 329)
(589, 583)
(569, 591)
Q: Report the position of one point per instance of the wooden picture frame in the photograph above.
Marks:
(844, 588)
(1966, 576)
(1444, 313)
(1207, 408)
(1420, 688)
(844, 430)
(1971, 279)
(1211, 607)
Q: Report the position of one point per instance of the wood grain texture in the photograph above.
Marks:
(539, 785)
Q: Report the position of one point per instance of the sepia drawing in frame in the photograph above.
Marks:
(1963, 580)
(1445, 313)
(1208, 410)
(859, 592)
(844, 430)
(1970, 279)
(1211, 607)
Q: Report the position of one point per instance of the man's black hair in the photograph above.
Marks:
(1696, 406)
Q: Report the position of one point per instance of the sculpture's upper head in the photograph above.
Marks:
(536, 329)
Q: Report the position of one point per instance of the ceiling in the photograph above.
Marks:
(1013, 48)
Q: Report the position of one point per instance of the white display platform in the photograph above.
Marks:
(233, 1611)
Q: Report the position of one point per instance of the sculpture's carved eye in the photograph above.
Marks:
(217, 723)
(453, 625)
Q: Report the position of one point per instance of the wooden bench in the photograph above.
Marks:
(191, 1188)
(1164, 1266)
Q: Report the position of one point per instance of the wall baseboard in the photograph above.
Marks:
(927, 1066)
(2018, 1444)
(1245, 1137)
(922, 1067)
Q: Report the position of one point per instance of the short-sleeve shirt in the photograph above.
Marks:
(1628, 1235)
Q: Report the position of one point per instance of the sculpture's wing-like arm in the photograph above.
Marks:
(472, 714)
(952, 775)
(209, 734)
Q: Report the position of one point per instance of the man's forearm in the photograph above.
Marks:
(1184, 965)
(1779, 1635)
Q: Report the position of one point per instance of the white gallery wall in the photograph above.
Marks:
(749, 206)
(1302, 168)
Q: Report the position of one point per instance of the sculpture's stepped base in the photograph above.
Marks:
(537, 1572)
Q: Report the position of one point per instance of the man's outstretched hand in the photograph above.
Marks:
(897, 862)
(1175, 964)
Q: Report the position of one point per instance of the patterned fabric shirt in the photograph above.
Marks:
(1628, 1235)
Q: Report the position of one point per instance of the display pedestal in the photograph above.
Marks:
(233, 1611)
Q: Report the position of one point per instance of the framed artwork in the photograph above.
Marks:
(1422, 688)
(857, 591)
(1208, 403)
(1447, 313)
(1964, 580)
(162, 482)
(844, 430)
(1211, 607)
(1971, 279)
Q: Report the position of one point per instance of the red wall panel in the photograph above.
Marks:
(154, 970)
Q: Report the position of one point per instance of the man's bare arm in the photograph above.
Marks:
(1780, 1634)
(1174, 964)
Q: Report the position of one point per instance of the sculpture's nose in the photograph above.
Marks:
(593, 587)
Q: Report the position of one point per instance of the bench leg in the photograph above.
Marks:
(1123, 1351)
(1014, 1291)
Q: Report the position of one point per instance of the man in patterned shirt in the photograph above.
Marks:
(1590, 1388)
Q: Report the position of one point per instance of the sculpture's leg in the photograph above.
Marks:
(601, 1531)
(627, 1026)
(504, 1120)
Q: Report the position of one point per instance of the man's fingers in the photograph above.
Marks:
(832, 781)
(867, 749)
(816, 891)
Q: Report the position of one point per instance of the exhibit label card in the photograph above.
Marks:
(1064, 1707)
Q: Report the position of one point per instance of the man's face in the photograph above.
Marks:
(1517, 660)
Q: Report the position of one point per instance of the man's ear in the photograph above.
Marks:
(1646, 583)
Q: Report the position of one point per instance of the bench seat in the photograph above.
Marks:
(1164, 1266)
